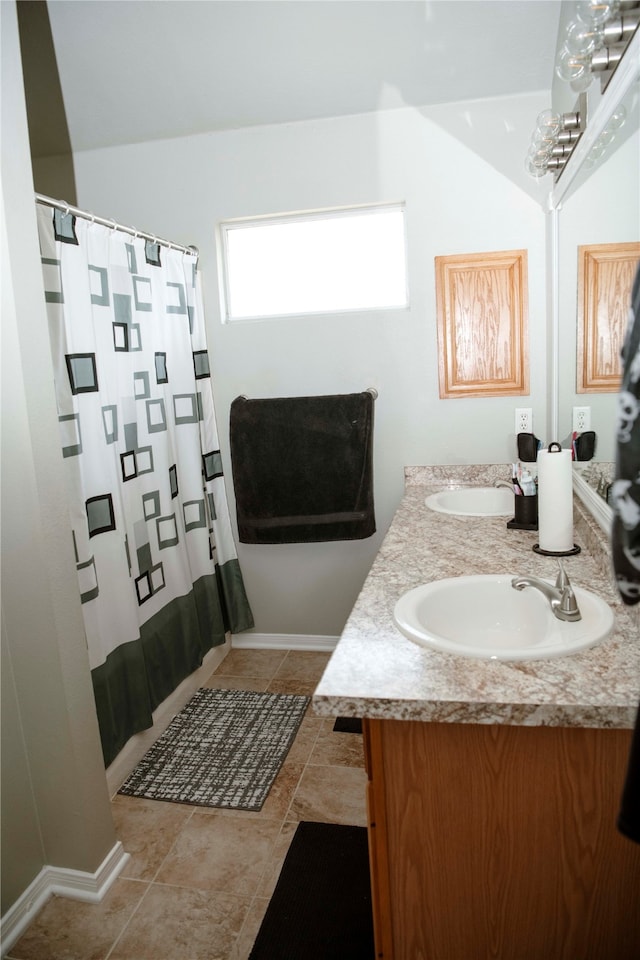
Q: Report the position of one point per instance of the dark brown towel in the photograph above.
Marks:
(303, 468)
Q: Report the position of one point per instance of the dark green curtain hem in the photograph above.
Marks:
(176, 639)
(238, 615)
(121, 693)
(138, 676)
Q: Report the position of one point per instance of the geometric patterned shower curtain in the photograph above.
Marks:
(157, 566)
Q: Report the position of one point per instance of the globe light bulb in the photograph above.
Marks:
(548, 123)
(597, 151)
(534, 170)
(582, 39)
(596, 12)
(571, 66)
(618, 118)
(582, 82)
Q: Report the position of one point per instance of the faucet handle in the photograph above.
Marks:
(562, 580)
(568, 606)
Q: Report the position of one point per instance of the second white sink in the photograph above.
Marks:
(485, 617)
(473, 501)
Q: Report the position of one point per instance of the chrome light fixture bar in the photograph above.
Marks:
(554, 139)
(595, 41)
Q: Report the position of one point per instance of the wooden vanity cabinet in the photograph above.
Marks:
(499, 842)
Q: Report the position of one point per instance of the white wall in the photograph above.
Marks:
(455, 202)
(55, 804)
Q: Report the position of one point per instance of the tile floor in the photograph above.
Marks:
(199, 879)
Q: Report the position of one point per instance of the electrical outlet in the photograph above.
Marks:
(581, 419)
(524, 420)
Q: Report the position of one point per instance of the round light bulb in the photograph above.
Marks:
(548, 123)
(607, 136)
(618, 118)
(582, 82)
(597, 151)
(534, 170)
(542, 144)
(582, 39)
(571, 66)
(596, 12)
(538, 157)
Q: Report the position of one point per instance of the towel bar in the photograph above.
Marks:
(371, 390)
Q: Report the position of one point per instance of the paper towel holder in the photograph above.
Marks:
(557, 553)
(555, 447)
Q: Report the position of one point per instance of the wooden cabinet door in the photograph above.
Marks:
(499, 843)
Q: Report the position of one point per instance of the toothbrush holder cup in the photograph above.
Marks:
(525, 513)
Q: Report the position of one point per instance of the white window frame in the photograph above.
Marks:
(227, 226)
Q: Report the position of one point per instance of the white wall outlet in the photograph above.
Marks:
(581, 419)
(524, 420)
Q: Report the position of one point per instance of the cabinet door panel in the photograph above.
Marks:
(501, 843)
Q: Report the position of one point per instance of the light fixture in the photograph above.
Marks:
(606, 138)
(554, 139)
(595, 41)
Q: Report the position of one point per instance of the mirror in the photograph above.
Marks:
(604, 210)
(599, 203)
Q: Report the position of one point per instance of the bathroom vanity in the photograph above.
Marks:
(493, 786)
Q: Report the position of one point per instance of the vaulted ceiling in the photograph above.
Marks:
(101, 73)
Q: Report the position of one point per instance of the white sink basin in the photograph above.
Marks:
(486, 618)
(473, 502)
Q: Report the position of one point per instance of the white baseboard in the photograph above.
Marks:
(283, 641)
(75, 884)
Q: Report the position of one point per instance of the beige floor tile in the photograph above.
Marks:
(270, 876)
(174, 923)
(258, 684)
(148, 829)
(301, 687)
(331, 795)
(71, 930)
(304, 742)
(221, 853)
(303, 665)
(251, 663)
(249, 932)
(337, 749)
(213, 870)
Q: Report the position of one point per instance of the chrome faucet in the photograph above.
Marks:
(561, 597)
(503, 483)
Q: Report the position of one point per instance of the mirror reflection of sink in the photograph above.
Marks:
(484, 617)
(473, 501)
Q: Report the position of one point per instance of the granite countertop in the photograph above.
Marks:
(376, 672)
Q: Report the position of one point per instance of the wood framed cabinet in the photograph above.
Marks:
(500, 842)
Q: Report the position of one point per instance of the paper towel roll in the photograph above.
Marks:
(555, 499)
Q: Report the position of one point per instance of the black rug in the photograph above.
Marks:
(224, 749)
(321, 907)
(348, 725)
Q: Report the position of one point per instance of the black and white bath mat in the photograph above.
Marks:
(224, 749)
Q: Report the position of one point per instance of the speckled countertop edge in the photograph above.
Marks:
(376, 672)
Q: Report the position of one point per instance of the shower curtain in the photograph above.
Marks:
(157, 567)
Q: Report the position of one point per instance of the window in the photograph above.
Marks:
(324, 262)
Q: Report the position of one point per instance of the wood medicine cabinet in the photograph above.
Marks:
(605, 278)
(482, 308)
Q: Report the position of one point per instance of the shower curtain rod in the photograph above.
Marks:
(77, 212)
